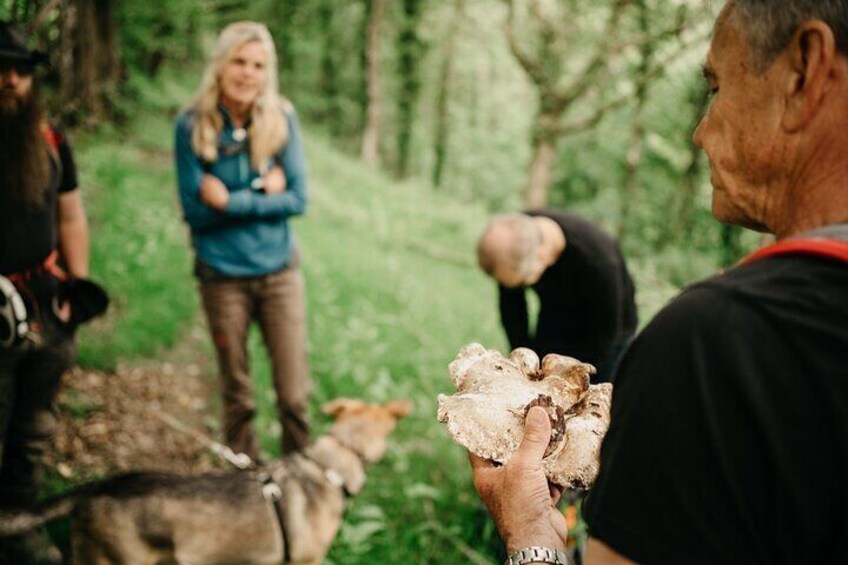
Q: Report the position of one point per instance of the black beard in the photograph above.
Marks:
(24, 154)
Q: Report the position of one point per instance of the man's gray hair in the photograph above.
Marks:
(770, 24)
(519, 255)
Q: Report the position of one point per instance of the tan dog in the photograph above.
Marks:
(147, 518)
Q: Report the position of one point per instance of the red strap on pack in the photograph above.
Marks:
(50, 265)
(820, 247)
(51, 137)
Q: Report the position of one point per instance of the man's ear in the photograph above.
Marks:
(812, 56)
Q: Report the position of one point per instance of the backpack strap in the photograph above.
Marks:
(820, 247)
(51, 136)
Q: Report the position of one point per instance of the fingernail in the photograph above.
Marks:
(536, 416)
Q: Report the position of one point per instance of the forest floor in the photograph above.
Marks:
(111, 422)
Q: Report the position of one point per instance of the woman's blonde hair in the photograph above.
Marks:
(269, 128)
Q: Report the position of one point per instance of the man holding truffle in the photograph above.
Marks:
(729, 422)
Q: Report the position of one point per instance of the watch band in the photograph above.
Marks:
(538, 555)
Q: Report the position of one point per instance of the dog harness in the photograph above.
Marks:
(272, 492)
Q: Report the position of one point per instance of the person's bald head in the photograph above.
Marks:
(508, 250)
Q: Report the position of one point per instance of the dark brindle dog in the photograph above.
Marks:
(148, 518)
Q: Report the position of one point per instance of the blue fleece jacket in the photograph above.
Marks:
(252, 236)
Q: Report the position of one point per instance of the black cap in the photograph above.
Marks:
(13, 46)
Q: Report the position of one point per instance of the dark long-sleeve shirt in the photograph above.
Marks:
(586, 299)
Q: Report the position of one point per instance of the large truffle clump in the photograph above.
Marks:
(494, 393)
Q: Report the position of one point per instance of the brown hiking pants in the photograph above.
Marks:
(276, 302)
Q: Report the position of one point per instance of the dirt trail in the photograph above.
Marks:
(109, 424)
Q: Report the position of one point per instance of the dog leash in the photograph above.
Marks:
(240, 461)
(271, 491)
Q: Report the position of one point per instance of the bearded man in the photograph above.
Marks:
(42, 226)
(729, 425)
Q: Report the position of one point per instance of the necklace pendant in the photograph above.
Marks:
(239, 134)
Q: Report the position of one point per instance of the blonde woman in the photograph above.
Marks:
(241, 178)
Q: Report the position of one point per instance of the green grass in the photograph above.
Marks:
(139, 248)
(393, 293)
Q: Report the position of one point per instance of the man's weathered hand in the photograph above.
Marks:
(274, 180)
(518, 495)
(214, 193)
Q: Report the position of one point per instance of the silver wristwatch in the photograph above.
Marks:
(538, 555)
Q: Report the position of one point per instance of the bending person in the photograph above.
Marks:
(587, 307)
(241, 179)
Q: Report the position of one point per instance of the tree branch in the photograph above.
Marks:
(655, 71)
(531, 66)
(566, 97)
(42, 13)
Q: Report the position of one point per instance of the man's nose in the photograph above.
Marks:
(10, 77)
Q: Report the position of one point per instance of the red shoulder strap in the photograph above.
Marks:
(820, 247)
(51, 137)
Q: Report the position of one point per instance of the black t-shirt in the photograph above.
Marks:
(28, 234)
(729, 434)
(586, 298)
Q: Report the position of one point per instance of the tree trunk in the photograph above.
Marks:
(541, 167)
(371, 135)
(90, 67)
(285, 14)
(410, 49)
(67, 58)
(633, 159)
(362, 94)
(329, 85)
(108, 59)
(87, 64)
(442, 139)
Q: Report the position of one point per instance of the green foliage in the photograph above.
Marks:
(139, 249)
(149, 29)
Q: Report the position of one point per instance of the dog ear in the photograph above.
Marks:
(334, 408)
(398, 408)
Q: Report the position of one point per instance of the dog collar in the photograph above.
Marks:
(350, 448)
